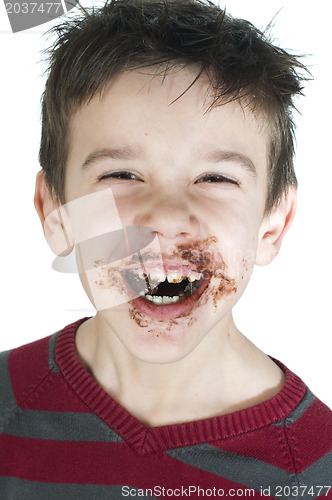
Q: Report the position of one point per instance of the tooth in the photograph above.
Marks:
(194, 276)
(174, 277)
(175, 298)
(157, 300)
(158, 276)
(167, 300)
(149, 297)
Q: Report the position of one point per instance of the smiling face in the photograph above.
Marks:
(197, 180)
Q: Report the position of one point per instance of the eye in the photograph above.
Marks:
(217, 178)
(120, 174)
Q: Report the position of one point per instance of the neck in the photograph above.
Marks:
(217, 377)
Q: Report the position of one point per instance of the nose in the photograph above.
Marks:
(171, 217)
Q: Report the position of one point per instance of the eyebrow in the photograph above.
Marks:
(123, 153)
(130, 153)
(221, 155)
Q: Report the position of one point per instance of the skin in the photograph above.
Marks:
(199, 365)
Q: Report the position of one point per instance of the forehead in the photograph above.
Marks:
(166, 117)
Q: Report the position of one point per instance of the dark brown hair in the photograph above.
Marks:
(240, 60)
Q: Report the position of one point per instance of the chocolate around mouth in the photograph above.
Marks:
(215, 284)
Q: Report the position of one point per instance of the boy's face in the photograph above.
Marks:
(196, 180)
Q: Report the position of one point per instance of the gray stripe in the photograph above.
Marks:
(7, 398)
(16, 421)
(319, 472)
(246, 471)
(19, 489)
(312, 483)
(51, 353)
(309, 398)
(61, 426)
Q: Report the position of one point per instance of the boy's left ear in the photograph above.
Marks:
(274, 227)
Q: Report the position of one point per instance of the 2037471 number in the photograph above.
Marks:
(300, 491)
(32, 8)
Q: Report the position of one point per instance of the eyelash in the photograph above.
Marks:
(217, 178)
(127, 175)
(121, 174)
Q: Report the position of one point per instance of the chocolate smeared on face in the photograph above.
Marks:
(138, 317)
(210, 264)
(110, 278)
(213, 283)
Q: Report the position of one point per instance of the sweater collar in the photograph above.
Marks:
(145, 440)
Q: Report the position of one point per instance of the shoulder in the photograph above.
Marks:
(22, 370)
(308, 434)
(310, 413)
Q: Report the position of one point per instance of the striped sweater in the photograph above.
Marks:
(63, 437)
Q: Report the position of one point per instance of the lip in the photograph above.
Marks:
(168, 311)
(167, 266)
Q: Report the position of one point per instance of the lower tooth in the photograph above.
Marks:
(156, 299)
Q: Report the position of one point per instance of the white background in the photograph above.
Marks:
(286, 309)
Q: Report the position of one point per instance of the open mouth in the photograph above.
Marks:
(162, 289)
(164, 295)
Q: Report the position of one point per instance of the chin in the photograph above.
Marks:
(165, 341)
(162, 344)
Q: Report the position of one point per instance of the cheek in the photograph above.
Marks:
(237, 233)
(239, 257)
(128, 203)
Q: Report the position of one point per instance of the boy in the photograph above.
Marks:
(167, 163)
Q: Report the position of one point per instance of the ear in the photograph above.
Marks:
(274, 227)
(53, 217)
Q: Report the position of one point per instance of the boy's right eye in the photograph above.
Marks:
(120, 174)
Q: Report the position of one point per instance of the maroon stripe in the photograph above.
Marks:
(94, 463)
(257, 445)
(31, 359)
(302, 435)
(49, 392)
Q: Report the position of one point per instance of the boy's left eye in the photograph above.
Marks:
(217, 178)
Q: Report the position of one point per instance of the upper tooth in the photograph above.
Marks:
(174, 277)
(194, 276)
(158, 276)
